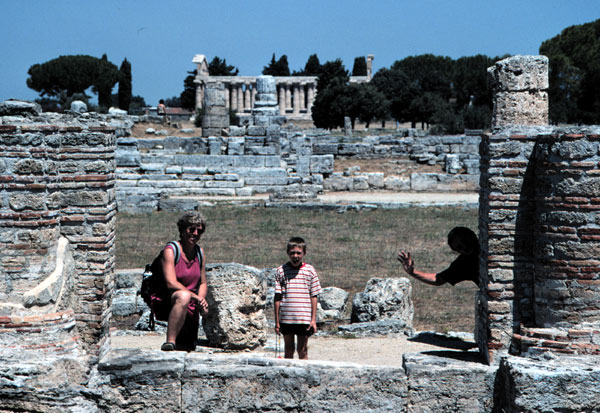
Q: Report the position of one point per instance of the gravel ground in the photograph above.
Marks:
(376, 351)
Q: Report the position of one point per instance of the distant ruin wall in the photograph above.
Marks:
(57, 181)
(266, 159)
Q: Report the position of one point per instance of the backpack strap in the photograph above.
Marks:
(200, 255)
(176, 250)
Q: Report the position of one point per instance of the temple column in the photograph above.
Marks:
(281, 98)
(233, 100)
(253, 94)
(311, 97)
(296, 94)
(302, 96)
(240, 97)
(227, 96)
(199, 95)
(247, 97)
(288, 96)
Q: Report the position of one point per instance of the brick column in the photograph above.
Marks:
(58, 180)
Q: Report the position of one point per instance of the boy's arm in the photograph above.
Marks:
(276, 303)
(313, 313)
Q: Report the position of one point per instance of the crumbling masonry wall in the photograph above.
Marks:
(539, 224)
(57, 182)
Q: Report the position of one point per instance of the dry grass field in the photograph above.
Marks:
(347, 249)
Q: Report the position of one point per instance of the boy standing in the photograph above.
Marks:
(296, 289)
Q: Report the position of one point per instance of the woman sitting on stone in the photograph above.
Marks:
(185, 278)
(464, 268)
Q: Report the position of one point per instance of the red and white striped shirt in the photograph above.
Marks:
(297, 286)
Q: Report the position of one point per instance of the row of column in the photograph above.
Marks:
(292, 98)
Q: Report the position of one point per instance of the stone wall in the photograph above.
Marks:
(266, 159)
(248, 162)
(57, 226)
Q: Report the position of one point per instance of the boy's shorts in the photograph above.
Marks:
(295, 329)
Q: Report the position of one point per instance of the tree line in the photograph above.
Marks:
(447, 94)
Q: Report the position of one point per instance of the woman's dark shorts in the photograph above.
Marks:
(295, 329)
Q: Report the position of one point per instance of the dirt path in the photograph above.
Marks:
(377, 351)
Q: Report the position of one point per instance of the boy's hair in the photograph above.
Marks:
(191, 219)
(296, 242)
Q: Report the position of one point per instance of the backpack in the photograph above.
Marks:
(153, 281)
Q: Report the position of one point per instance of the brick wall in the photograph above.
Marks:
(57, 178)
(540, 241)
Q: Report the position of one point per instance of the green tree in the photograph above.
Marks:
(360, 66)
(137, 105)
(218, 67)
(173, 102)
(277, 67)
(66, 74)
(188, 96)
(574, 92)
(469, 80)
(311, 68)
(107, 76)
(428, 73)
(333, 96)
(125, 85)
(398, 90)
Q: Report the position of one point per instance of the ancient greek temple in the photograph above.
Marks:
(295, 94)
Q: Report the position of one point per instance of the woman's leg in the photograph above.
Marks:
(180, 300)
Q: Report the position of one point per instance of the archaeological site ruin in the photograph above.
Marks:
(64, 177)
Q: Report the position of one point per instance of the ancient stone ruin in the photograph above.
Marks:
(538, 322)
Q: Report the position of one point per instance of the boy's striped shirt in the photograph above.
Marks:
(296, 286)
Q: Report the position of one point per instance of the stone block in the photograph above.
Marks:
(384, 298)
(346, 149)
(338, 182)
(237, 131)
(260, 150)
(322, 164)
(519, 73)
(557, 383)
(448, 381)
(396, 183)
(257, 131)
(360, 183)
(332, 304)
(244, 191)
(236, 297)
(235, 146)
(224, 184)
(375, 179)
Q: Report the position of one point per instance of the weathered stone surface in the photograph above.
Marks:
(141, 380)
(19, 107)
(332, 304)
(277, 385)
(551, 384)
(435, 381)
(384, 298)
(236, 300)
(78, 106)
(386, 327)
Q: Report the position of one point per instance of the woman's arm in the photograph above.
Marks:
(203, 288)
(409, 266)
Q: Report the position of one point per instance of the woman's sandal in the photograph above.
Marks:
(168, 346)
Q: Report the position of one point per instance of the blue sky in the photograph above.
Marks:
(160, 38)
